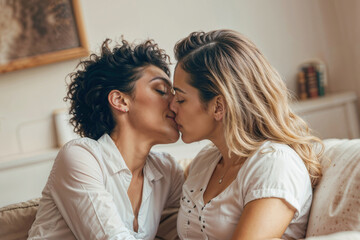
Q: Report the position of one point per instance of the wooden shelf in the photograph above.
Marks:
(332, 116)
(330, 100)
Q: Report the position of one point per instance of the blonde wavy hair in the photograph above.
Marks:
(224, 62)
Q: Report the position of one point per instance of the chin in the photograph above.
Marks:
(172, 136)
(186, 139)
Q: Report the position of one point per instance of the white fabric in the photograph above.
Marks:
(346, 235)
(336, 201)
(86, 194)
(275, 170)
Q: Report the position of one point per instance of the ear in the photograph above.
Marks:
(119, 101)
(219, 107)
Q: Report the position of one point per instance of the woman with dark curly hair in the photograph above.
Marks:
(107, 184)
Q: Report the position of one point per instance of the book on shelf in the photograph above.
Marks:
(311, 79)
(311, 82)
(302, 86)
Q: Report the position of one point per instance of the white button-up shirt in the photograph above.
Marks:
(86, 194)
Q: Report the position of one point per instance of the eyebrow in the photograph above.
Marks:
(178, 89)
(162, 79)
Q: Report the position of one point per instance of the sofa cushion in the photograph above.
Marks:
(16, 219)
(336, 202)
(347, 235)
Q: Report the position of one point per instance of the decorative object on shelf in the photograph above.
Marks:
(312, 79)
(39, 32)
(64, 130)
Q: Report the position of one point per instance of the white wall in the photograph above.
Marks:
(288, 32)
(343, 38)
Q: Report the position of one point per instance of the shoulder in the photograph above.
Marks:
(79, 150)
(276, 154)
(86, 143)
(275, 165)
(79, 160)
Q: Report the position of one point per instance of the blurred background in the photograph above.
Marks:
(287, 32)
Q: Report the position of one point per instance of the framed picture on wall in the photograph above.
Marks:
(38, 32)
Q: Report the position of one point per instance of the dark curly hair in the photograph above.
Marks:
(118, 68)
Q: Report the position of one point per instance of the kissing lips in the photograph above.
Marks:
(179, 126)
(172, 119)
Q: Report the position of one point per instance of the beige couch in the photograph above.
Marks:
(335, 213)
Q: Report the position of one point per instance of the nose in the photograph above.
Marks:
(173, 105)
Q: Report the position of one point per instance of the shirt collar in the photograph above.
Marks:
(116, 163)
(112, 155)
(150, 170)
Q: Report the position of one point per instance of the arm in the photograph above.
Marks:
(79, 193)
(265, 218)
(274, 190)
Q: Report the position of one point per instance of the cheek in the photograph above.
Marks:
(197, 127)
(193, 116)
(149, 108)
(154, 108)
(200, 123)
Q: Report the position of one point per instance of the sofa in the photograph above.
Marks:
(335, 211)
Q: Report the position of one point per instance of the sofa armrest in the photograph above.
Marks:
(16, 219)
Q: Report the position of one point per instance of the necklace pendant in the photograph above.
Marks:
(220, 181)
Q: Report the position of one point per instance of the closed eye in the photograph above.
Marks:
(180, 101)
(161, 92)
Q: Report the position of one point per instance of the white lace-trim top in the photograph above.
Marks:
(275, 170)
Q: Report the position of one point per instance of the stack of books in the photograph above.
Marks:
(311, 79)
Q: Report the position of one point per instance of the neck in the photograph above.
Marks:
(133, 149)
(219, 141)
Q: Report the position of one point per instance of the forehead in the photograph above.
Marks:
(151, 73)
(181, 79)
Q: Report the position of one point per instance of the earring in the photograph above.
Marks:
(124, 110)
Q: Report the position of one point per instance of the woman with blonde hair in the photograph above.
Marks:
(255, 181)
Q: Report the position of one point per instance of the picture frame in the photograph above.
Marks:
(37, 32)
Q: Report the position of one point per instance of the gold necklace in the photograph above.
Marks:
(221, 179)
